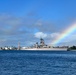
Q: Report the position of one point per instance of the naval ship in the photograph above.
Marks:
(43, 46)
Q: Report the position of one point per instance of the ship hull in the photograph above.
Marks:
(58, 49)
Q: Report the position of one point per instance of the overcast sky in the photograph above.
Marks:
(25, 21)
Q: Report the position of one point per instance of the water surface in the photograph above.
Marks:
(37, 62)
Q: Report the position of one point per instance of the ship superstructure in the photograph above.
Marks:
(41, 45)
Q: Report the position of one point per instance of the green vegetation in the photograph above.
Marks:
(72, 48)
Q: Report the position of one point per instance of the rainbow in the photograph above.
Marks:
(64, 34)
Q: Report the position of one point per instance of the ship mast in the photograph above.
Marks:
(18, 45)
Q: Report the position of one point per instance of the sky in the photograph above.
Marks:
(26, 21)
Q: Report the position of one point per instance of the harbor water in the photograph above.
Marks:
(37, 62)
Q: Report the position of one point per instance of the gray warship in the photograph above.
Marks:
(43, 46)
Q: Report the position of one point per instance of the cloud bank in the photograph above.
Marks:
(26, 30)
